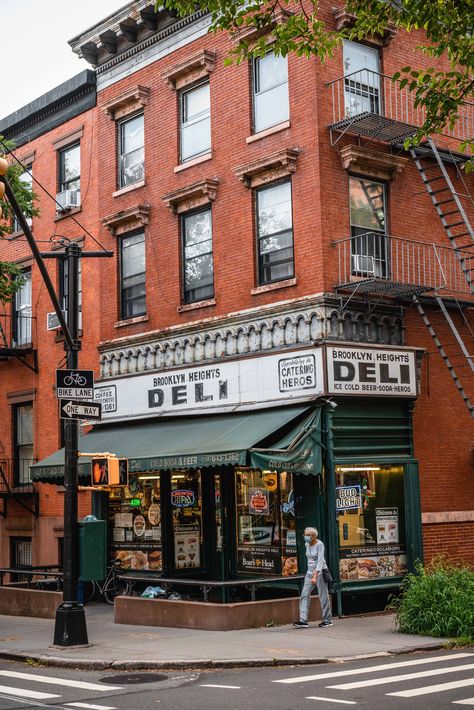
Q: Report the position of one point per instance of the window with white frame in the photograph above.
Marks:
(70, 168)
(369, 243)
(270, 91)
(26, 179)
(22, 312)
(198, 268)
(195, 120)
(23, 450)
(132, 276)
(131, 146)
(274, 233)
(361, 79)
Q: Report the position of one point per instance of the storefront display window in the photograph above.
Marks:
(135, 517)
(186, 507)
(266, 525)
(370, 510)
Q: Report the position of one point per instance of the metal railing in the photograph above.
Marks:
(16, 330)
(398, 260)
(370, 92)
(15, 476)
(45, 577)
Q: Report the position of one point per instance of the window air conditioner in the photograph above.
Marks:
(366, 265)
(68, 199)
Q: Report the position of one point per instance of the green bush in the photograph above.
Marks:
(438, 600)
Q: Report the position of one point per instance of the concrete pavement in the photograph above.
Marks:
(132, 647)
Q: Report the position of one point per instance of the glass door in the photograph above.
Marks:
(186, 517)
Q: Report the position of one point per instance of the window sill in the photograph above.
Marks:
(128, 188)
(273, 286)
(131, 321)
(67, 213)
(268, 132)
(196, 305)
(195, 161)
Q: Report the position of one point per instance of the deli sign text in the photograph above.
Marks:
(371, 371)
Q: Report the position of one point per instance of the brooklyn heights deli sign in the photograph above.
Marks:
(290, 376)
(370, 371)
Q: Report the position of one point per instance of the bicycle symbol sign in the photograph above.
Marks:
(75, 384)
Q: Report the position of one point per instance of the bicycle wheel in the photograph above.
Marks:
(115, 588)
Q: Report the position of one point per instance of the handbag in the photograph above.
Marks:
(327, 575)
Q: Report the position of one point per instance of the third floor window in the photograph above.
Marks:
(22, 316)
(70, 168)
(197, 256)
(274, 233)
(270, 89)
(131, 151)
(27, 179)
(195, 119)
(132, 276)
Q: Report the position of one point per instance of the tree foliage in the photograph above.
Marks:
(448, 26)
(10, 275)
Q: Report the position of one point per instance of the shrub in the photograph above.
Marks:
(437, 600)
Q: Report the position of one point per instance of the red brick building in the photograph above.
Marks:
(277, 253)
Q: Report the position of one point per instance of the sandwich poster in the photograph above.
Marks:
(386, 520)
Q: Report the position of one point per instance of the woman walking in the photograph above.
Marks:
(314, 576)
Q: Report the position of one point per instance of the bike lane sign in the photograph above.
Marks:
(75, 384)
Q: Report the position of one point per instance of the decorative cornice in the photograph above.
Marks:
(346, 19)
(269, 168)
(249, 34)
(190, 70)
(372, 163)
(131, 100)
(127, 220)
(191, 196)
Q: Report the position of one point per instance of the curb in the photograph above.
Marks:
(58, 662)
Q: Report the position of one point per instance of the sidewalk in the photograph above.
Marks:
(120, 646)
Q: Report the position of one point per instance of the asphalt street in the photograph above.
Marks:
(439, 679)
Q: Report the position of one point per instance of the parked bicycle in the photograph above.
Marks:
(107, 589)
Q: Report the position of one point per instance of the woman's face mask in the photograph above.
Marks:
(307, 538)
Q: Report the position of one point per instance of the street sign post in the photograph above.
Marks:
(69, 409)
(75, 384)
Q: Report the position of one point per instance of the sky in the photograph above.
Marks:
(35, 55)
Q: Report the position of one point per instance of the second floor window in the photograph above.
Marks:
(70, 168)
(270, 89)
(368, 227)
(195, 122)
(132, 276)
(23, 451)
(274, 233)
(27, 179)
(198, 265)
(131, 151)
(22, 313)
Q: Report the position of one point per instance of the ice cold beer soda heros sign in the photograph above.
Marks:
(371, 371)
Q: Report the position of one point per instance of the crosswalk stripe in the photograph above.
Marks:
(466, 701)
(373, 669)
(332, 700)
(404, 676)
(434, 688)
(88, 706)
(59, 681)
(213, 685)
(22, 693)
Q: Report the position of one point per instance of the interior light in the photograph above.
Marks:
(354, 469)
(148, 478)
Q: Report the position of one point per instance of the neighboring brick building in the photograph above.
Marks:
(244, 229)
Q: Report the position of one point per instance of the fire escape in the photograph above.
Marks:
(373, 107)
(16, 339)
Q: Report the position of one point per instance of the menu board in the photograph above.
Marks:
(187, 546)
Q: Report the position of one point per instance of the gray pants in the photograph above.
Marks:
(323, 595)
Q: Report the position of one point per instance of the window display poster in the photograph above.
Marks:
(187, 546)
(372, 562)
(257, 559)
(386, 520)
(259, 501)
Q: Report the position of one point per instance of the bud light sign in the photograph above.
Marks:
(182, 498)
(348, 497)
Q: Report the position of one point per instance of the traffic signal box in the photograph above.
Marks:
(109, 471)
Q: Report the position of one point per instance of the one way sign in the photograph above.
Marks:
(69, 409)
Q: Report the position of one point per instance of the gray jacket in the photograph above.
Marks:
(315, 557)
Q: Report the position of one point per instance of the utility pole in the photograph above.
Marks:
(70, 626)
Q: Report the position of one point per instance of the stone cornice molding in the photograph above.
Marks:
(128, 102)
(127, 220)
(192, 69)
(346, 19)
(269, 168)
(372, 163)
(195, 195)
(250, 34)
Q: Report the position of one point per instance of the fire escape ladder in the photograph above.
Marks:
(448, 205)
(442, 351)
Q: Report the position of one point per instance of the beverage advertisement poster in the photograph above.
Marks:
(259, 501)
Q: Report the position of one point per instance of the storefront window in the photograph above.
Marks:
(266, 525)
(136, 523)
(218, 511)
(371, 517)
(186, 507)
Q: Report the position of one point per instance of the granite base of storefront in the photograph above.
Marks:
(29, 602)
(208, 616)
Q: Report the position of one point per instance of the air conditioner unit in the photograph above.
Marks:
(366, 265)
(68, 199)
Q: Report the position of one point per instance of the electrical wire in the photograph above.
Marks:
(41, 186)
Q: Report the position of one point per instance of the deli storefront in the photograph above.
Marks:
(229, 463)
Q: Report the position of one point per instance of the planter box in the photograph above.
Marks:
(210, 617)
(29, 602)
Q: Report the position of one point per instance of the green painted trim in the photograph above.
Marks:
(413, 523)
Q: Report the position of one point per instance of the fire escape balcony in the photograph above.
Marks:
(380, 264)
(373, 105)
(15, 484)
(16, 339)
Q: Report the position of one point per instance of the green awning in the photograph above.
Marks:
(191, 442)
